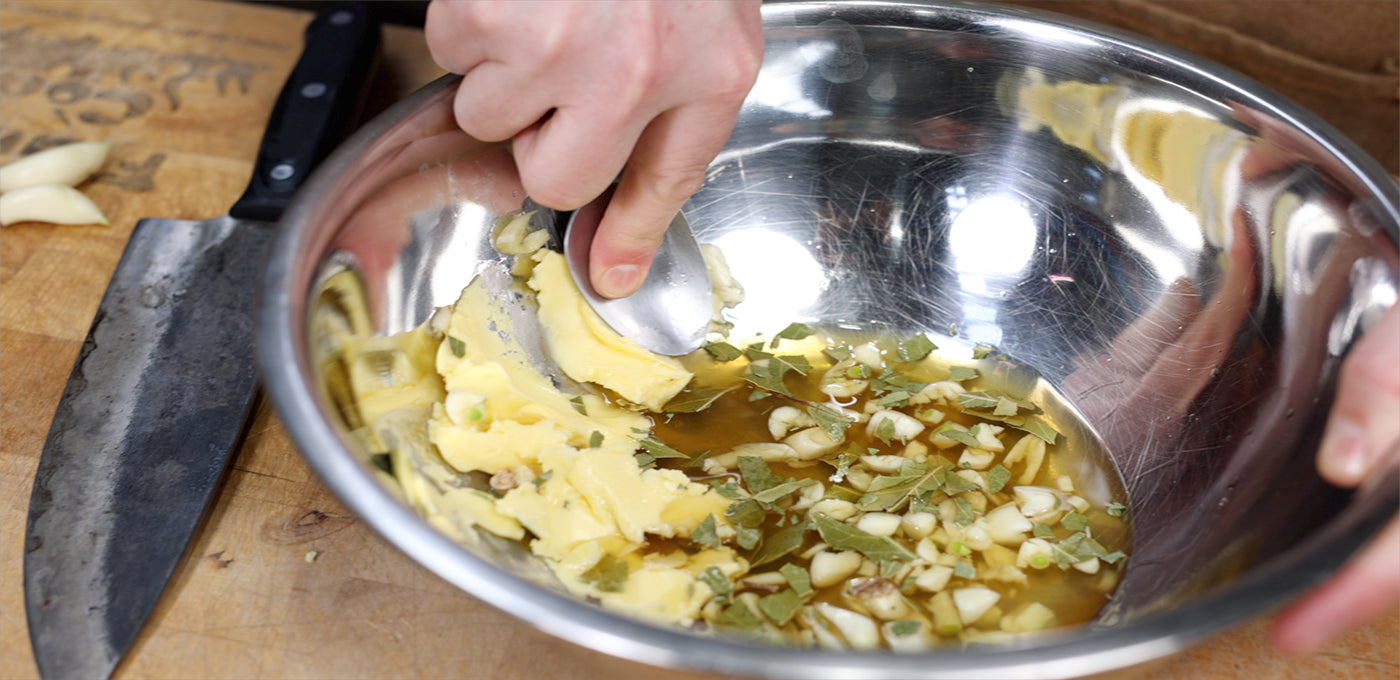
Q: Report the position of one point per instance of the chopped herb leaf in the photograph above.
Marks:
(577, 403)
(696, 400)
(745, 513)
(842, 536)
(781, 491)
(659, 450)
(797, 577)
(905, 628)
(890, 492)
(890, 569)
(459, 348)
(982, 350)
(383, 462)
(781, 606)
(755, 352)
(609, 575)
(644, 460)
(596, 439)
(1005, 407)
(719, 583)
(964, 570)
(544, 477)
(895, 399)
(707, 533)
(964, 514)
(1039, 429)
(738, 615)
(885, 430)
(758, 394)
(977, 400)
(891, 379)
(729, 489)
(794, 331)
(997, 477)
(843, 464)
(1116, 509)
(1074, 521)
(748, 537)
(957, 484)
(1113, 557)
(915, 348)
(961, 373)
(779, 543)
(830, 420)
(723, 351)
(1042, 530)
(959, 435)
(838, 353)
(758, 477)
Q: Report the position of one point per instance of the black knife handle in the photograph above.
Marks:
(317, 107)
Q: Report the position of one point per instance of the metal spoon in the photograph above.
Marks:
(670, 313)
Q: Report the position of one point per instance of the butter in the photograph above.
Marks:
(588, 350)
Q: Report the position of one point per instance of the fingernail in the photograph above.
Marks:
(1343, 456)
(620, 281)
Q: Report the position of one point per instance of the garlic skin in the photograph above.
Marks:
(67, 165)
(52, 203)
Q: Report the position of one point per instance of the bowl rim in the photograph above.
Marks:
(287, 376)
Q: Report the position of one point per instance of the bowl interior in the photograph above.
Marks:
(1183, 256)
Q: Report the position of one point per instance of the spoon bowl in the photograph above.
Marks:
(671, 311)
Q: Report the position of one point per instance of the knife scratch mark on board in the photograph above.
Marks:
(219, 560)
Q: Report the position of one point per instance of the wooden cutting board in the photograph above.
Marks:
(281, 581)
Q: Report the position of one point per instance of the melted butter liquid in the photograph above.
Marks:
(735, 419)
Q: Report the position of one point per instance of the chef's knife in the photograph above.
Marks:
(160, 394)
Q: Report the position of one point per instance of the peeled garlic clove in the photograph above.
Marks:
(52, 203)
(67, 165)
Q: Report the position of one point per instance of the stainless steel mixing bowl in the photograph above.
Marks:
(1183, 254)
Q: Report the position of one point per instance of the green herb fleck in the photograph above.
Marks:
(779, 543)
(459, 348)
(748, 537)
(781, 606)
(831, 421)
(696, 400)
(964, 570)
(659, 450)
(1116, 509)
(977, 400)
(905, 628)
(838, 353)
(958, 435)
(1039, 429)
(1074, 521)
(982, 350)
(794, 331)
(609, 575)
(842, 536)
(963, 515)
(383, 462)
(729, 489)
(997, 477)
(797, 577)
(544, 477)
(707, 533)
(890, 492)
(758, 477)
(745, 513)
(719, 583)
(1042, 530)
(723, 351)
(596, 439)
(915, 348)
(577, 403)
(738, 615)
(961, 373)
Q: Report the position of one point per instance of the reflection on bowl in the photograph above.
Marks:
(1185, 256)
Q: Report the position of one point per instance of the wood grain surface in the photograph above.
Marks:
(281, 582)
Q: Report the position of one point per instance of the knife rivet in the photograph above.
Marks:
(282, 171)
(313, 90)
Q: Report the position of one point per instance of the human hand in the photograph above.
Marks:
(586, 88)
(1362, 436)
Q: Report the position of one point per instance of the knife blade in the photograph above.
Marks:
(160, 394)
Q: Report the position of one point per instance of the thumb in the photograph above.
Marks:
(1363, 424)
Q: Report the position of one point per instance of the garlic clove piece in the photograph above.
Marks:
(68, 164)
(52, 203)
